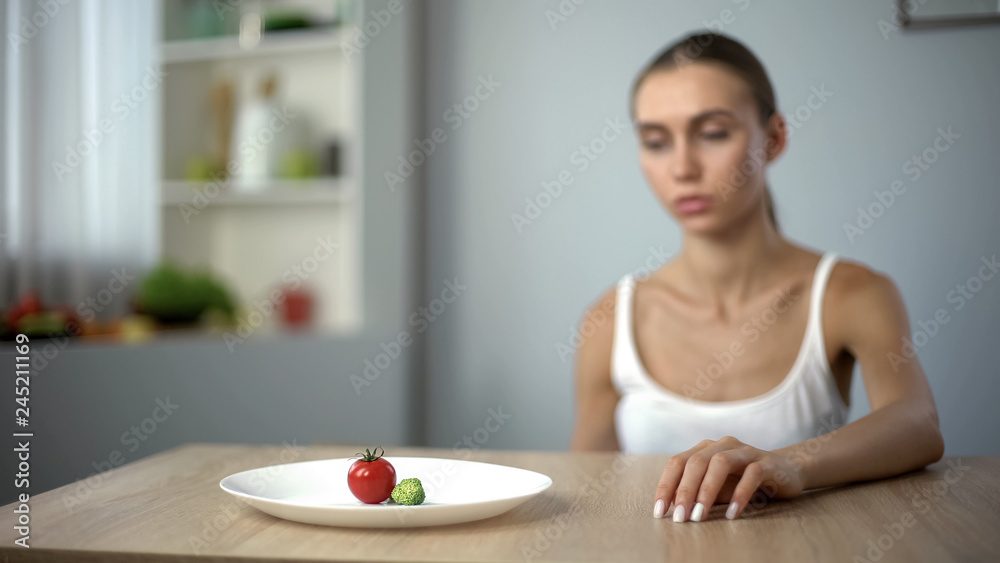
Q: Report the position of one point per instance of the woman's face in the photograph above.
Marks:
(700, 135)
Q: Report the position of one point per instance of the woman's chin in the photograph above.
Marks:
(704, 223)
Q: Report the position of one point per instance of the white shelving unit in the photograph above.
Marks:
(280, 43)
(253, 239)
(280, 192)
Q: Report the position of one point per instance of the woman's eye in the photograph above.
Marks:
(716, 135)
(653, 144)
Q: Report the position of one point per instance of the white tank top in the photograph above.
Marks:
(649, 418)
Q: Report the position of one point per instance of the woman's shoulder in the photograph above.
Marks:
(593, 344)
(606, 301)
(851, 278)
(595, 329)
(861, 299)
(846, 276)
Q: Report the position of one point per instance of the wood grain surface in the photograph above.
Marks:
(169, 507)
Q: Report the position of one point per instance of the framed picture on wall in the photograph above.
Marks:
(929, 14)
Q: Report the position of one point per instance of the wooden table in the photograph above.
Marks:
(169, 507)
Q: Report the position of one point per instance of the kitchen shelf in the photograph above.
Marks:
(274, 43)
(277, 192)
(251, 238)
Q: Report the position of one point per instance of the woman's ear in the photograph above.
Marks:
(777, 137)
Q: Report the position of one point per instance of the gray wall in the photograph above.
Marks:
(890, 94)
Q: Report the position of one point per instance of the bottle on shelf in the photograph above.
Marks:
(252, 150)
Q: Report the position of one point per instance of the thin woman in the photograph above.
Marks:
(736, 356)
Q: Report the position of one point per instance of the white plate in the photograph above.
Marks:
(316, 492)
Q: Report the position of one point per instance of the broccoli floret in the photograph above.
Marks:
(408, 491)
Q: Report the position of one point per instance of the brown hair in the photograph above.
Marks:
(718, 48)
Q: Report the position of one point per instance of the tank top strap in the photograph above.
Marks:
(624, 369)
(820, 279)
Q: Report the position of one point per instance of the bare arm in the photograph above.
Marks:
(902, 432)
(595, 396)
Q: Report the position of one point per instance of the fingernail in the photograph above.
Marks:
(698, 512)
(733, 507)
(658, 509)
(679, 513)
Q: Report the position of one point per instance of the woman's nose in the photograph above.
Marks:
(683, 164)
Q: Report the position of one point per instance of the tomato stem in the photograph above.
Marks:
(371, 455)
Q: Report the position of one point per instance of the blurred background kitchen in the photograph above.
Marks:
(378, 222)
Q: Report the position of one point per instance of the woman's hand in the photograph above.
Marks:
(725, 471)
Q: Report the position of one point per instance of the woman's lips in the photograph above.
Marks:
(693, 204)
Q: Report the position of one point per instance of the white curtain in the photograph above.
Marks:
(79, 151)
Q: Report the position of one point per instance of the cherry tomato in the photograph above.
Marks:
(371, 478)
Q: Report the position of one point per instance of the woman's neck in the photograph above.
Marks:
(726, 270)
